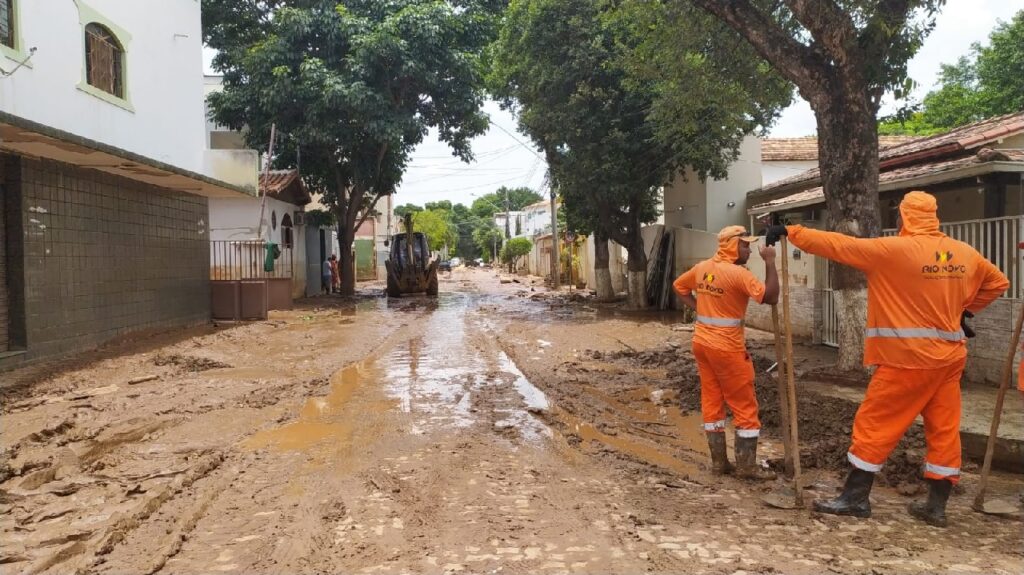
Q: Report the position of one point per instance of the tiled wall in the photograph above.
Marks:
(105, 255)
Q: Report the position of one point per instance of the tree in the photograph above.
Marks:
(843, 57)
(514, 250)
(355, 84)
(617, 117)
(465, 222)
(403, 209)
(489, 239)
(987, 82)
(518, 198)
(438, 228)
(557, 64)
(444, 205)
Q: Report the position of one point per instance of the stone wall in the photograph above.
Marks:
(105, 256)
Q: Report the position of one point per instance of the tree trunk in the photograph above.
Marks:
(636, 272)
(603, 276)
(346, 236)
(848, 156)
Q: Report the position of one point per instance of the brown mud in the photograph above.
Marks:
(481, 431)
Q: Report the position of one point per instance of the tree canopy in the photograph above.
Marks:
(354, 84)
(437, 226)
(987, 82)
(518, 198)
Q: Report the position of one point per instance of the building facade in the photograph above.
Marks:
(105, 176)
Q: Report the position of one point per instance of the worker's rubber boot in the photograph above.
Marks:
(854, 500)
(933, 510)
(746, 460)
(719, 459)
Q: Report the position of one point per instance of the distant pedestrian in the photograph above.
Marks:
(325, 275)
(335, 275)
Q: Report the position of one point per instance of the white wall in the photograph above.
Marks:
(161, 116)
(691, 203)
(238, 219)
(744, 176)
(775, 171)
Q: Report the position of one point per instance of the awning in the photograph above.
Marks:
(919, 175)
(28, 138)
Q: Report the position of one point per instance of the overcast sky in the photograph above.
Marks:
(504, 160)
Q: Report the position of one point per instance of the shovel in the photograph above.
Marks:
(999, 507)
(794, 498)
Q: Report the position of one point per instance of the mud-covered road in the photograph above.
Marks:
(493, 429)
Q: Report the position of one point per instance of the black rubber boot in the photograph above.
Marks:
(719, 460)
(854, 499)
(933, 510)
(746, 460)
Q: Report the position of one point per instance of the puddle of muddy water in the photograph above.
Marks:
(320, 419)
(436, 381)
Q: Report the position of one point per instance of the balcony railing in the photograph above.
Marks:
(246, 259)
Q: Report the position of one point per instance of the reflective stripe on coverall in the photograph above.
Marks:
(723, 290)
(919, 284)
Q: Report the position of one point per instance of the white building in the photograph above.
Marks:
(105, 175)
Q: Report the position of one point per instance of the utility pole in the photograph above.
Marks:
(555, 280)
(508, 235)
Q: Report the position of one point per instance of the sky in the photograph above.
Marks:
(505, 158)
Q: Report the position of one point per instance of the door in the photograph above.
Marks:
(4, 315)
(366, 268)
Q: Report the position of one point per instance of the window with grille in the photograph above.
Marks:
(104, 60)
(7, 23)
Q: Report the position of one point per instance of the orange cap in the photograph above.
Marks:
(730, 232)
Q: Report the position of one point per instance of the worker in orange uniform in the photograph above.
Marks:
(723, 287)
(922, 285)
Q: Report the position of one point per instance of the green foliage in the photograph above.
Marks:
(403, 209)
(444, 205)
(488, 238)
(355, 83)
(709, 89)
(559, 64)
(988, 82)
(437, 226)
(518, 198)
(320, 219)
(514, 250)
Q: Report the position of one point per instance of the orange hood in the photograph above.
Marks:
(729, 243)
(728, 250)
(917, 210)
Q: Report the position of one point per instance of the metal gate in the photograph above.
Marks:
(828, 327)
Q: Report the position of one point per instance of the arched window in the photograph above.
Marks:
(287, 239)
(104, 60)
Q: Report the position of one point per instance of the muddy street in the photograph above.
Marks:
(495, 428)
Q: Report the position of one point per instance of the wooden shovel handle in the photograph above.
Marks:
(790, 384)
(979, 500)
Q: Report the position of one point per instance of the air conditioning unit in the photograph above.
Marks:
(299, 219)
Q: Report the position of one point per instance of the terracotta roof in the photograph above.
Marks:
(955, 141)
(285, 185)
(806, 148)
(891, 179)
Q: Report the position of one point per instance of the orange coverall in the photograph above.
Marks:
(723, 290)
(919, 284)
